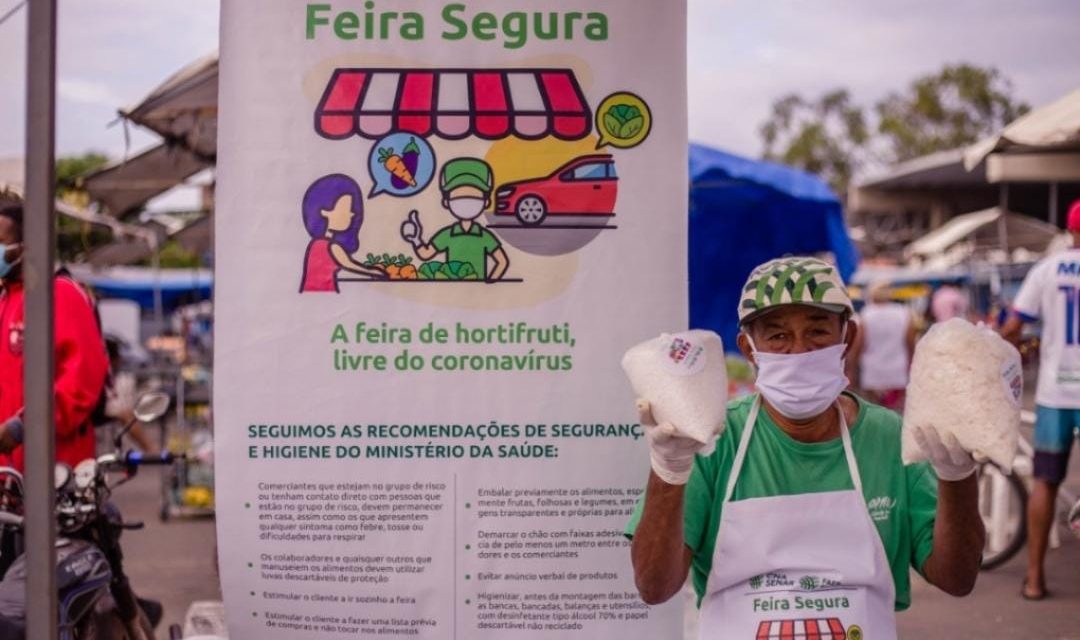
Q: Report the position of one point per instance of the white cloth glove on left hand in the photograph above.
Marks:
(950, 461)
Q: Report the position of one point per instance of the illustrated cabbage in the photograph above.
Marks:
(623, 121)
(453, 270)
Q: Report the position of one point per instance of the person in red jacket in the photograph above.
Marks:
(80, 356)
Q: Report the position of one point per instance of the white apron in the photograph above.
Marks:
(803, 567)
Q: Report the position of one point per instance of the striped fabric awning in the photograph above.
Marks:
(454, 103)
(815, 629)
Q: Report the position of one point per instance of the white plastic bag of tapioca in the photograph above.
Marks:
(683, 376)
(965, 380)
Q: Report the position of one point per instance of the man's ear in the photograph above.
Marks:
(852, 335)
(487, 202)
(743, 342)
(445, 202)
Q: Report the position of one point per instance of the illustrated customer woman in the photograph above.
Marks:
(333, 210)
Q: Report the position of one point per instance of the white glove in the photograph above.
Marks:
(412, 231)
(671, 454)
(950, 461)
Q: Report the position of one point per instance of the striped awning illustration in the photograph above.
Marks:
(454, 103)
(813, 629)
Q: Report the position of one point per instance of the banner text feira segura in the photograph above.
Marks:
(514, 29)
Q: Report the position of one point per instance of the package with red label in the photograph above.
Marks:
(684, 378)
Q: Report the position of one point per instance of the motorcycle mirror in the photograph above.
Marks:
(61, 476)
(152, 406)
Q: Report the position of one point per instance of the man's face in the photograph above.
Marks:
(9, 236)
(795, 329)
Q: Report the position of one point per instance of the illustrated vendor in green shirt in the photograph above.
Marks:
(466, 185)
(802, 521)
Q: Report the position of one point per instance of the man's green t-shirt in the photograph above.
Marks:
(902, 500)
(470, 246)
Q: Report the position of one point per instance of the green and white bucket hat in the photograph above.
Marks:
(793, 280)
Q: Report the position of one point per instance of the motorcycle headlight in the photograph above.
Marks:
(85, 473)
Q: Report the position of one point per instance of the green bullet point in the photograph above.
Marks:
(467, 547)
(252, 593)
(247, 505)
(467, 505)
(466, 576)
(468, 602)
(250, 565)
(254, 614)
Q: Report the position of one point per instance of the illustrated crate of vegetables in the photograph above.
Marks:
(399, 267)
(452, 270)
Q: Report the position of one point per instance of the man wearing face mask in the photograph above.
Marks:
(802, 518)
(81, 361)
(466, 185)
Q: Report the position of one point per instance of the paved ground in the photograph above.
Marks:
(172, 561)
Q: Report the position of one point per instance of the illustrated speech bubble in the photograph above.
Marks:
(623, 120)
(401, 164)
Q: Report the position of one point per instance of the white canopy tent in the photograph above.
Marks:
(978, 235)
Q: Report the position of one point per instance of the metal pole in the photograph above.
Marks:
(1052, 218)
(159, 307)
(1003, 223)
(38, 265)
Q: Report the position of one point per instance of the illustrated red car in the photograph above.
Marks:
(585, 186)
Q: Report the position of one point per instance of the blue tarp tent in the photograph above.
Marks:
(744, 212)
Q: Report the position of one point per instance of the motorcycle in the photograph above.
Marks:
(95, 599)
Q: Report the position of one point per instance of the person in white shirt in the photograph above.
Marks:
(884, 347)
(1051, 295)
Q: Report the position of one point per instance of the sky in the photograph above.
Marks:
(743, 54)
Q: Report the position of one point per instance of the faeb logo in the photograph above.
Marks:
(881, 508)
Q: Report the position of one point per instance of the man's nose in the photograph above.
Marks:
(800, 344)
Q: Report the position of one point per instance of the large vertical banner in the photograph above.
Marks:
(439, 226)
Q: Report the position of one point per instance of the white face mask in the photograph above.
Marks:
(801, 385)
(466, 208)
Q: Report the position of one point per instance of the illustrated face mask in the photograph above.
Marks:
(466, 208)
(801, 385)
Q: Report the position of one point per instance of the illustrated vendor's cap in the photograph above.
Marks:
(1074, 217)
(793, 280)
(465, 172)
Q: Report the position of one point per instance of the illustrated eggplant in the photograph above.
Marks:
(410, 157)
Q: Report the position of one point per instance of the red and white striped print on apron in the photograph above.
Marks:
(813, 629)
(454, 103)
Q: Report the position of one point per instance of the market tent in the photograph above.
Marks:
(124, 187)
(1054, 127)
(178, 286)
(183, 109)
(744, 212)
(978, 234)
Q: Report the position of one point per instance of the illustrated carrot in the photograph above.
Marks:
(396, 166)
(393, 271)
(408, 272)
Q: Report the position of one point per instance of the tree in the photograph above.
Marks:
(834, 138)
(74, 238)
(827, 137)
(953, 108)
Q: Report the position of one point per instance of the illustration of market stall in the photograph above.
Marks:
(552, 205)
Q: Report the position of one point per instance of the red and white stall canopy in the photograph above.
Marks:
(454, 103)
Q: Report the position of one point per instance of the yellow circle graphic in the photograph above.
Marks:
(854, 632)
(623, 120)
